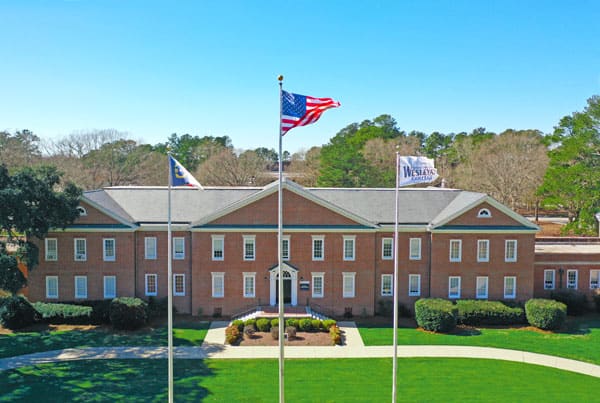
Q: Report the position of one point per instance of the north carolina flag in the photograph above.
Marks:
(302, 110)
(180, 176)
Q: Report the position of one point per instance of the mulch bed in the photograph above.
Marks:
(302, 339)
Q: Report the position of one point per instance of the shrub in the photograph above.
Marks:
(291, 332)
(292, 322)
(274, 322)
(336, 335)
(435, 314)
(64, 313)
(232, 334)
(16, 312)
(249, 330)
(327, 323)
(250, 322)
(158, 307)
(305, 325)
(385, 307)
(545, 314)
(316, 324)
(596, 298)
(275, 333)
(573, 299)
(128, 313)
(239, 323)
(475, 313)
(263, 325)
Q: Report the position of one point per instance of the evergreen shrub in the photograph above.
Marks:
(263, 325)
(16, 312)
(128, 313)
(545, 314)
(435, 314)
(478, 312)
(64, 313)
(573, 299)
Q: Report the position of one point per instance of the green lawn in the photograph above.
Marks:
(184, 334)
(343, 380)
(579, 342)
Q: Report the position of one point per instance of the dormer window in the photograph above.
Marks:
(82, 211)
(484, 213)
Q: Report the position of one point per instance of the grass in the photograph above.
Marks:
(344, 380)
(579, 341)
(184, 334)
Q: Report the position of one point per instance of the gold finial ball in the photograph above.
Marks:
(280, 77)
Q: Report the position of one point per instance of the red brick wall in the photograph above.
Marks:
(497, 217)
(94, 216)
(583, 263)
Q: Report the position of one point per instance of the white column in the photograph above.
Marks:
(294, 288)
(272, 288)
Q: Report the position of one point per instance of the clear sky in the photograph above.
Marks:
(153, 68)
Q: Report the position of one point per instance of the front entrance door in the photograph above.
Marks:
(290, 285)
(287, 290)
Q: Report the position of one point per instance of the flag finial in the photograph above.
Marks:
(280, 78)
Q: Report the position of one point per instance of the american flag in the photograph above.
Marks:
(302, 110)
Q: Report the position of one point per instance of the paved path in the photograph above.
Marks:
(213, 347)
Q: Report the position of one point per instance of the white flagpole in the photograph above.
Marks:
(279, 257)
(170, 287)
(395, 284)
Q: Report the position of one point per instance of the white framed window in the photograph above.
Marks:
(415, 249)
(52, 287)
(51, 248)
(484, 213)
(481, 287)
(483, 250)
(249, 247)
(454, 287)
(510, 250)
(218, 247)
(110, 286)
(150, 247)
(80, 286)
(80, 249)
(179, 285)
(249, 285)
(218, 285)
(387, 285)
(572, 279)
(455, 250)
(387, 248)
(549, 276)
(349, 247)
(151, 284)
(318, 285)
(178, 248)
(318, 247)
(414, 285)
(594, 279)
(285, 247)
(510, 287)
(348, 284)
(109, 253)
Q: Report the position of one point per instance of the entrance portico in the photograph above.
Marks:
(290, 285)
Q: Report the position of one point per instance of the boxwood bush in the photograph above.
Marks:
(477, 312)
(305, 325)
(573, 299)
(327, 323)
(128, 313)
(239, 323)
(545, 314)
(435, 314)
(263, 325)
(64, 313)
(16, 312)
(596, 298)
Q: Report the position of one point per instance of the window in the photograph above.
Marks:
(179, 248)
(510, 250)
(108, 249)
(285, 247)
(348, 284)
(455, 250)
(249, 247)
(110, 286)
(454, 287)
(387, 248)
(249, 283)
(218, 246)
(594, 279)
(415, 249)
(82, 211)
(484, 213)
(178, 285)
(510, 287)
(414, 285)
(150, 247)
(52, 287)
(549, 279)
(387, 288)
(349, 241)
(218, 285)
(80, 286)
(51, 246)
(317, 285)
(481, 287)
(151, 284)
(80, 250)
(483, 250)
(318, 247)
(572, 279)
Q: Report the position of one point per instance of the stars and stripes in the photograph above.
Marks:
(302, 110)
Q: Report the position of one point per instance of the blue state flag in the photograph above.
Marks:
(181, 176)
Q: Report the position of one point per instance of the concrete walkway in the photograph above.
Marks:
(213, 347)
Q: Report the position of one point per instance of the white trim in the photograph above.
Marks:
(459, 257)
(512, 259)
(320, 275)
(569, 263)
(576, 279)
(82, 211)
(83, 292)
(514, 293)
(410, 249)
(178, 255)
(286, 239)
(248, 240)
(383, 242)
(288, 229)
(349, 238)
(288, 272)
(107, 212)
(594, 280)
(484, 231)
(486, 282)
(50, 257)
(48, 288)
(322, 239)
(79, 257)
(216, 293)
(175, 277)
(246, 277)
(147, 291)
(553, 285)
(349, 276)
(150, 243)
(450, 295)
(418, 292)
(105, 257)
(104, 282)
(484, 213)
(389, 292)
(214, 240)
(480, 248)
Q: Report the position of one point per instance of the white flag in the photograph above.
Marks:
(415, 170)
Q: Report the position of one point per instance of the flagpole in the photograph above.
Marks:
(395, 284)
(279, 256)
(170, 286)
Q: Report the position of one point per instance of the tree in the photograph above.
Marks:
(191, 151)
(19, 149)
(29, 207)
(228, 169)
(304, 166)
(572, 181)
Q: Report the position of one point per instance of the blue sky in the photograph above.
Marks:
(153, 68)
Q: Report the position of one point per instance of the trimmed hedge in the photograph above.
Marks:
(64, 313)
(436, 314)
(158, 307)
(477, 312)
(239, 323)
(128, 313)
(596, 298)
(573, 299)
(16, 312)
(263, 325)
(545, 314)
